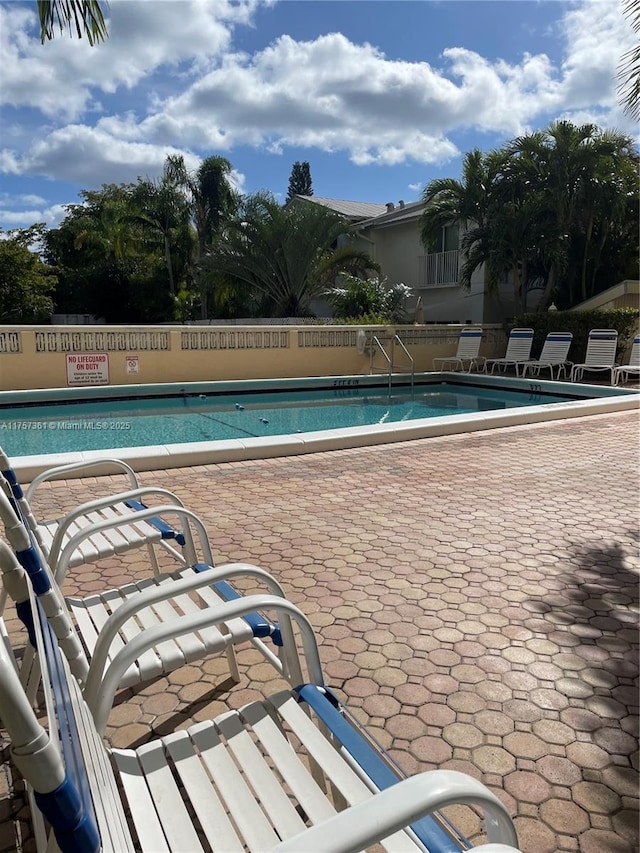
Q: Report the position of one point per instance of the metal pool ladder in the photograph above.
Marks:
(378, 347)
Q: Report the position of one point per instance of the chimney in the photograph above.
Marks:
(390, 206)
(401, 203)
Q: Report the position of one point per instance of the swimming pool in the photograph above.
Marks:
(158, 426)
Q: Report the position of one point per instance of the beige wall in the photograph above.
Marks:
(40, 357)
(398, 248)
(625, 294)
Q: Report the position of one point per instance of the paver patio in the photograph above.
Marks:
(476, 597)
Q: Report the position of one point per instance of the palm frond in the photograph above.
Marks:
(85, 16)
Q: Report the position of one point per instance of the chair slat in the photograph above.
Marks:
(341, 775)
(211, 813)
(295, 774)
(143, 812)
(266, 784)
(256, 830)
(112, 822)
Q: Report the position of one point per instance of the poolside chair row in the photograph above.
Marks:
(291, 772)
(553, 355)
(106, 621)
(600, 355)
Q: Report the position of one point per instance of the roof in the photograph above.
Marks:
(621, 295)
(399, 213)
(355, 210)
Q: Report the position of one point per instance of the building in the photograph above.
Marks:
(390, 233)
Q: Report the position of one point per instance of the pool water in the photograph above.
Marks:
(136, 422)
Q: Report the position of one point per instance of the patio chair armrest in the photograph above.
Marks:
(60, 470)
(104, 687)
(389, 811)
(161, 592)
(59, 565)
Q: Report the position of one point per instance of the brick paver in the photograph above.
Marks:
(476, 602)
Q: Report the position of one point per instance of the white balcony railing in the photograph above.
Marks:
(439, 269)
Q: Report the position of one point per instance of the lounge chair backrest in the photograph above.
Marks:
(634, 358)
(556, 347)
(601, 347)
(519, 345)
(469, 342)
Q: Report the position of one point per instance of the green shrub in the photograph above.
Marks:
(362, 320)
(580, 323)
(368, 300)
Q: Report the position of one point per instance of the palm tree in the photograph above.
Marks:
(629, 72)
(542, 208)
(162, 209)
(463, 202)
(211, 201)
(577, 171)
(85, 15)
(606, 195)
(345, 259)
(278, 253)
(478, 204)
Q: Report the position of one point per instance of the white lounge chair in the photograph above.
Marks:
(600, 355)
(292, 772)
(129, 531)
(518, 351)
(625, 371)
(98, 632)
(554, 355)
(467, 354)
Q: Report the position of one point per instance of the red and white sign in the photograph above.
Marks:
(133, 365)
(87, 368)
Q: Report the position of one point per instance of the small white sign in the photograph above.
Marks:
(133, 364)
(87, 368)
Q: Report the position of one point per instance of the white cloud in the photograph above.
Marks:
(62, 77)
(76, 152)
(327, 93)
(5, 199)
(12, 218)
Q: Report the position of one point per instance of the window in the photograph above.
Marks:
(448, 239)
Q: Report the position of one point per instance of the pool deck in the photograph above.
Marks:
(476, 597)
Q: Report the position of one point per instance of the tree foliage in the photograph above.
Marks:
(371, 298)
(556, 208)
(85, 16)
(629, 71)
(164, 215)
(211, 201)
(279, 256)
(26, 283)
(108, 261)
(300, 180)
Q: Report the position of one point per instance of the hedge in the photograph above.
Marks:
(580, 323)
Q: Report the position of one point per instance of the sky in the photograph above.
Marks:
(378, 96)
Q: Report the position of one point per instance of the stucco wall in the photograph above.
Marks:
(61, 356)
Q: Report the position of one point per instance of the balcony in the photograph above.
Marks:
(439, 269)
